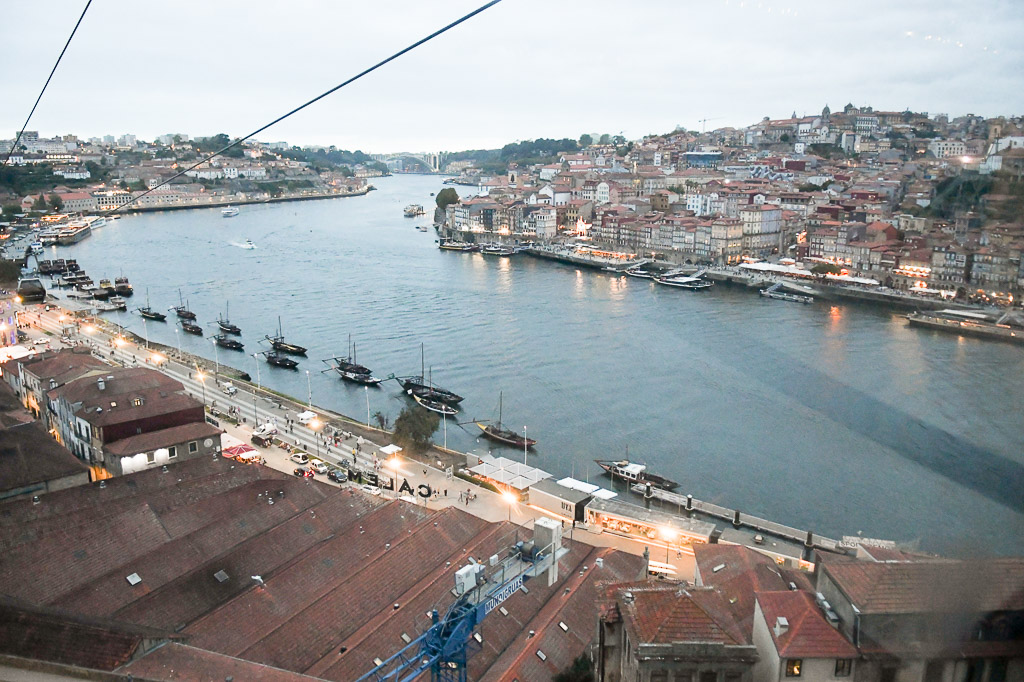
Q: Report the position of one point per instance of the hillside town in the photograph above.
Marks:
(101, 174)
(913, 201)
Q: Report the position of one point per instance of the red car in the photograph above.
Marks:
(304, 472)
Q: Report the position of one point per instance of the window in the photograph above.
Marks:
(193, 446)
(150, 457)
(844, 666)
(794, 666)
(172, 452)
(137, 402)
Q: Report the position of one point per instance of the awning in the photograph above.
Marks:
(390, 449)
(245, 451)
(509, 472)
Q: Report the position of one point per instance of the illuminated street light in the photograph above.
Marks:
(202, 380)
(315, 424)
(157, 358)
(511, 499)
(668, 535)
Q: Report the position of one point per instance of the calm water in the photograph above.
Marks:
(834, 418)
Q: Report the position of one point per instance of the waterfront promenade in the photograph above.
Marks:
(358, 445)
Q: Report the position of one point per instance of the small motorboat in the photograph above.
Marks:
(435, 405)
(118, 303)
(229, 212)
(123, 287)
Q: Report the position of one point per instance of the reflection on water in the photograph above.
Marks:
(833, 417)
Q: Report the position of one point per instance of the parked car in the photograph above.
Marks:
(262, 440)
(303, 472)
(41, 340)
(372, 489)
(300, 458)
(338, 475)
(320, 468)
(265, 429)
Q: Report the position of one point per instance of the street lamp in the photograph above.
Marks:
(309, 389)
(366, 390)
(315, 425)
(216, 359)
(202, 380)
(511, 499)
(255, 414)
(668, 535)
(526, 444)
(145, 332)
(177, 336)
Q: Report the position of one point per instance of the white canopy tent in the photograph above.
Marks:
(509, 472)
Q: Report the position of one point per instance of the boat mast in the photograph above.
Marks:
(499, 409)
(422, 364)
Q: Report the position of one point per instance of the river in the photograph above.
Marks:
(835, 418)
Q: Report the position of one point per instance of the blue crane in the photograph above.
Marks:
(445, 647)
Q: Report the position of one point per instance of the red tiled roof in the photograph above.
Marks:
(659, 613)
(931, 586)
(808, 634)
(182, 663)
(64, 366)
(744, 572)
(28, 455)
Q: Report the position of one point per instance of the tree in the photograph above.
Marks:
(618, 140)
(40, 203)
(446, 197)
(383, 421)
(605, 139)
(56, 203)
(586, 140)
(579, 671)
(784, 137)
(10, 210)
(414, 427)
(826, 269)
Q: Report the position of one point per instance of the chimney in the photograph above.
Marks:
(100, 384)
(781, 626)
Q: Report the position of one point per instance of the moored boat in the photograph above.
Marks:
(224, 342)
(148, 312)
(413, 210)
(349, 370)
(181, 310)
(435, 405)
(279, 359)
(191, 328)
(279, 344)
(631, 472)
(499, 434)
(774, 292)
(450, 245)
(225, 324)
(497, 250)
(123, 287)
(118, 302)
(229, 212)
(425, 388)
(681, 282)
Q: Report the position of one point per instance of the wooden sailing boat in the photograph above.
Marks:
(498, 434)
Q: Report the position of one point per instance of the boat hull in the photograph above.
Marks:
(417, 387)
(435, 406)
(505, 437)
(612, 469)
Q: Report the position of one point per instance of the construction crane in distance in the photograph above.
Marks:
(445, 647)
(703, 122)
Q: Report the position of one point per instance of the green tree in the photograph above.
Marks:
(56, 203)
(40, 203)
(382, 420)
(446, 197)
(586, 140)
(10, 210)
(826, 269)
(578, 671)
(784, 137)
(605, 139)
(414, 427)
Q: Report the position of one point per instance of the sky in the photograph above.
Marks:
(520, 70)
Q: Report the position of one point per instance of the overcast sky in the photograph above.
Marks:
(522, 69)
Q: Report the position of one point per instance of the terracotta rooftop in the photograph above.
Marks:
(931, 586)
(182, 663)
(28, 456)
(663, 613)
(65, 366)
(808, 634)
(742, 572)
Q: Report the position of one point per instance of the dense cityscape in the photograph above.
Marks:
(756, 387)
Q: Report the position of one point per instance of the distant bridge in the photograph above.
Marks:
(431, 160)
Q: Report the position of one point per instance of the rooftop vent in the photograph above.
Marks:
(478, 637)
(599, 562)
(100, 384)
(103, 483)
(781, 626)
(221, 576)
(792, 586)
(541, 656)
(406, 638)
(134, 579)
(35, 499)
(565, 628)
(718, 568)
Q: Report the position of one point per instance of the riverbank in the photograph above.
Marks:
(244, 202)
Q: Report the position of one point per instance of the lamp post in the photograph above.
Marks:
(255, 414)
(177, 337)
(526, 444)
(444, 418)
(366, 391)
(216, 359)
(314, 426)
(145, 332)
(202, 380)
(309, 389)
(511, 500)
